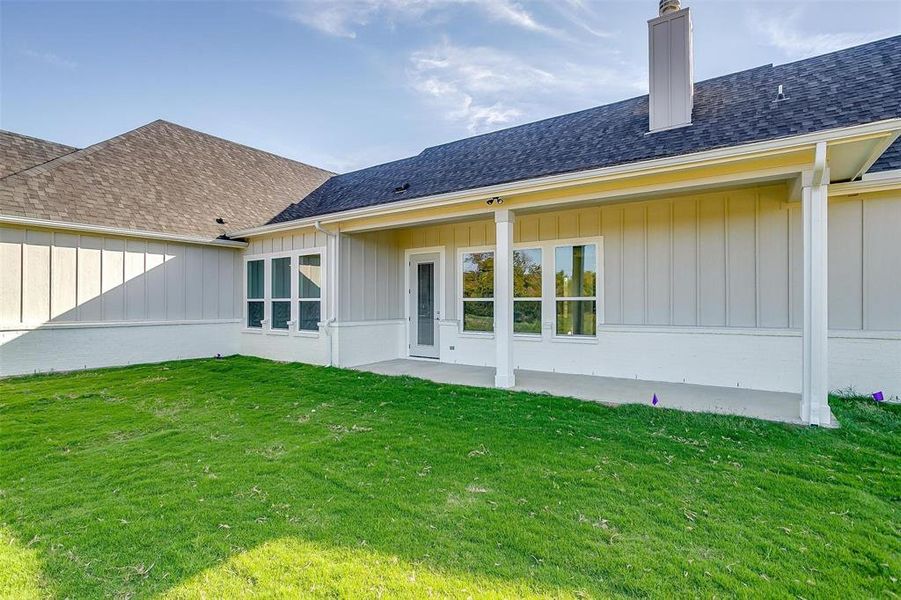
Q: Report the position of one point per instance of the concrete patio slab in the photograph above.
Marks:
(771, 406)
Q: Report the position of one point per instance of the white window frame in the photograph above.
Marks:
(598, 243)
(460, 299)
(539, 299)
(295, 291)
(245, 313)
(548, 289)
(293, 323)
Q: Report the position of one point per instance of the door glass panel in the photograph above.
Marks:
(425, 304)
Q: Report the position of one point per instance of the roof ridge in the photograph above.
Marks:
(79, 153)
(839, 51)
(37, 139)
(234, 143)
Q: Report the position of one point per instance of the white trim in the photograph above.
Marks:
(119, 231)
(598, 242)
(461, 250)
(293, 326)
(887, 181)
(408, 255)
(730, 153)
(102, 324)
(890, 174)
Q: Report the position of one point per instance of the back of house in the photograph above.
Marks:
(739, 232)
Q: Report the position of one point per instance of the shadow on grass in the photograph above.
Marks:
(221, 477)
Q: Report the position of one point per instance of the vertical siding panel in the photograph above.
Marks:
(589, 222)
(547, 227)
(432, 237)
(633, 276)
(685, 262)
(659, 288)
(529, 229)
(63, 271)
(845, 264)
(461, 236)
(176, 282)
(194, 283)
(882, 263)
(210, 283)
(113, 278)
(227, 283)
(135, 282)
(11, 241)
(88, 279)
(612, 218)
(772, 257)
(712, 261)
(742, 267)
(477, 234)
(156, 281)
(796, 270)
(419, 237)
(36, 276)
(568, 224)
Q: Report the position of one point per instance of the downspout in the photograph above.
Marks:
(332, 262)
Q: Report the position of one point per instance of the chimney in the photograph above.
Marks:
(672, 81)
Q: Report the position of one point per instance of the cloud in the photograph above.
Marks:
(484, 88)
(783, 32)
(345, 17)
(51, 59)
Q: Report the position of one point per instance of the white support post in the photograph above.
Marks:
(815, 330)
(503, 300)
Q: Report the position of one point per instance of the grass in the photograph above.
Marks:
(225, 478)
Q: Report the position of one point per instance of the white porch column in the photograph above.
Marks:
(815, 329)
(503, 299)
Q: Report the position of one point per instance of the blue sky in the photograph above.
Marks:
(348, 84)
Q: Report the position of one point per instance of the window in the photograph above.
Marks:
(309, 292)
(527, 291)
(478, 291)
(281, 293)
(255, 288)
(576, 294)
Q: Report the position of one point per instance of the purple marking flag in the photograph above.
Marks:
(878, 397)
(654, 401)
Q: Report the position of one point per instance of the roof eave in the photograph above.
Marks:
(729, 153)
(119, 231)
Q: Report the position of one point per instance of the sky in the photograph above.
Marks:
(351, 83)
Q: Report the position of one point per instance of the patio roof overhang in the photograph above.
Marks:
(850, 152)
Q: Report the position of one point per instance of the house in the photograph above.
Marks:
(739, 232)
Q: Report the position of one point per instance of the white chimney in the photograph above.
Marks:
(672, 81)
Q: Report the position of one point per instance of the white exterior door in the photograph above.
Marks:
(423, 312)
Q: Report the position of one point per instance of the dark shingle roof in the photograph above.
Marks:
(890, 159)
(849, 87)
(160, 177)
(19, 152)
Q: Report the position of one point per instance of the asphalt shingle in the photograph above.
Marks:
(160, 177)
(849, 87)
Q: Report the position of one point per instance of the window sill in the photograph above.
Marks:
(479, 335)
(575, 339)
(528, 337)
(280, 332)
(253, 330)
(306, 334)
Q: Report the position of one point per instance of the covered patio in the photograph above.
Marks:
(771, 406)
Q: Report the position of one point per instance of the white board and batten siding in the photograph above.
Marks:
(713, 281)
(69, 300)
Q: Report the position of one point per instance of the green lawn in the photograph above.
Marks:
(222, 478)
